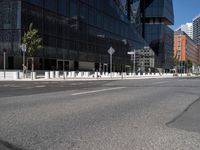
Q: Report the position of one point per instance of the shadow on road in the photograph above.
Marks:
(8, 146)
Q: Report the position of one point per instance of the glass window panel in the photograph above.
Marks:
(51, 5)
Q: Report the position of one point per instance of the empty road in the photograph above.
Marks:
(150, 114)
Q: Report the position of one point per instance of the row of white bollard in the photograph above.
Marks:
(73, 74)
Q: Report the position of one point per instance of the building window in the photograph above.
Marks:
(51, 5)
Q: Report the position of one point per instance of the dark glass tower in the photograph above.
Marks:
(79, 32)
(152, 19)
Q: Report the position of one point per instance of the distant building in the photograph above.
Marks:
(185, 49)
(198, 46)
(196, 29)
(187, 28)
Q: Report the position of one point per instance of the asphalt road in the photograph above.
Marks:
(151, 114)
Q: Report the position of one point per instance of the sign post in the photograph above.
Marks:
(111, 51)
(132, 53)
(23, 47)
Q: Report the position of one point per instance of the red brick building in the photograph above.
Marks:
(185, 49)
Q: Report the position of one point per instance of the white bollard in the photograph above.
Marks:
(96, 74)
(115, 74)
(106, 74)
(73, 74)
(57, 74)
(15, 75)
(47, 75)
(86, 74)
(52, 74)
(33, 75)
(65, 75)
(69, 74)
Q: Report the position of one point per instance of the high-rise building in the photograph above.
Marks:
(152, 20)
(187, 28)
(78, 33)
(196, 29)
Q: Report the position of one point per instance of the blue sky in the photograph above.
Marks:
(185, 11)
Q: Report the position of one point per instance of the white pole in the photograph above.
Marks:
(4, 64)
(111, 65)
(134, 61)
(23, 64)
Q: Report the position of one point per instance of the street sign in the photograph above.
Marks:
(23, 47)
(146, 47)
(111, 51)
(131, 53)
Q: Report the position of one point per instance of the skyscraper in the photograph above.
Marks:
(79, 32)
(187, 28)
(196, 29)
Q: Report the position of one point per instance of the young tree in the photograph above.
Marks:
(176, 62)
(189, 65)
(33, 42)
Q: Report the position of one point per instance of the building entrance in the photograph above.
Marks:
(62, 65)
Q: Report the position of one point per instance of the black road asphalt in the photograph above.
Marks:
(151, 114)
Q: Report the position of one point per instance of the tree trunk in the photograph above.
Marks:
(32, 68)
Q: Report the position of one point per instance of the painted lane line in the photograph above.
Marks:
(160, 82)
(40, 86)
(96, 91)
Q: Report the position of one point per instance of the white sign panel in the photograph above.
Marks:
(131, 53)
(111, 51)
(23, 46)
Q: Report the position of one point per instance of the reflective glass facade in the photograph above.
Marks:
(81, 31)
(10, 30)
(152, 19)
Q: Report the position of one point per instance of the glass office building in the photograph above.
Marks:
(80, 32)
(152, 20)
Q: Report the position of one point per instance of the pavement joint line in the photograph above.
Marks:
(96, 91)
(182, 113)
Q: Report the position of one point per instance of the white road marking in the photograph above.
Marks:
(160, 82)
(40, 86)
(74, 84)
(26, 88)
(96, 91)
